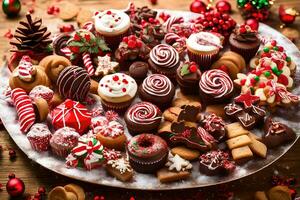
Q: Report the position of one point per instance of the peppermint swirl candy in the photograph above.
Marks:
(164, 56)
(216, 83)
(144, 113)
(171, 21)
(157, 85)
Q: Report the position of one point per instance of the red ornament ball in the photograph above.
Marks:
(198, 6)
(15, 187)
(253, 23)
(223, 6)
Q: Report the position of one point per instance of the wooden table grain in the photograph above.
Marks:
(34, 175)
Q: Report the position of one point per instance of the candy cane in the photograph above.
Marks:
(25, 67)
(24, 109)
(67, 52)
(89, 26)
(87, 61)
(171, 21)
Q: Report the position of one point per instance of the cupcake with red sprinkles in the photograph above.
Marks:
(39, 137)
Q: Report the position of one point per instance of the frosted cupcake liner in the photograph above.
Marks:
(40, 144)
(118, 107)
(247, 54)
(61, 152)
(189, 90)
(170, 75)
(203, 60)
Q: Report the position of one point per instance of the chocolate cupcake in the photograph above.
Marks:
(113, 25)
(147, 153)
(187, 77)
(74, 83)
(216, 163)
(277, 133)
(138, 71)
(164, 59)
(244, 41)
(131, 49)
(203, 48)
(117, 91)
(143, 117)
(215, 86)
(157, 89)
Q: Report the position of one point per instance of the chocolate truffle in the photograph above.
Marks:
(277, 133)
(138, 71)
(74, 83)
(215, 163)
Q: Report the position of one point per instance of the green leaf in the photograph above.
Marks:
(185, 70)
(102, 45)
(75, 44)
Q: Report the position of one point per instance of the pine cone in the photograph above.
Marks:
(31, 35)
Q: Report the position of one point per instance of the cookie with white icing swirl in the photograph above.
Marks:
(157, 89)
(215, 86)
(164, 59)
(143, 117)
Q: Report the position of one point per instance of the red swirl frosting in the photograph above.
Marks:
(215, 82)
(144, 113)
(157, 85)
(164, 56)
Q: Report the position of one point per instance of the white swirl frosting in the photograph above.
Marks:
(164, 56)
(157, 85)
(204, 41)
(215, 82)
(111, 22)
(144, 113)
(117, 85)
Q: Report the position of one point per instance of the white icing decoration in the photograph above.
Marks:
(105, 65)
(213, 45)
(111, 88)
(120, 164)
(117, 21)
(157, 85)
(178, 163)
(164, 56)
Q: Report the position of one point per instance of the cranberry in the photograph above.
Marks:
(274, 43)
(225, 16)
(205, 24)
(132, 37)
(115, 78)
(221, 21)
(108, 12)
(211, 24)
(56, 9)
(243, 30)
(139, 44)
(280, 48)
(193, 68)
(214, 29)
(50, 10)
(215, 21)
(131, 44)
(125, 39)
(151, 20)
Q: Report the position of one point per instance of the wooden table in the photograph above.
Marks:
(34, 176)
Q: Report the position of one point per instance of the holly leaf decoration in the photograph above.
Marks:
(101, 44)
(185, 70)
(74, 43)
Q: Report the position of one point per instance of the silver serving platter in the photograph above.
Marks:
(150, 182)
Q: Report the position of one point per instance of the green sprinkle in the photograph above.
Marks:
(275, 48)
(266, 49)
(256, 78)
(267, 74)
(275, 70)
(288, 59)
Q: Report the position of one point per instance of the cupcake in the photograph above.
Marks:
(203, 48)
(131, 49)
(63, 141)
(113, 25)
(143, 117)
(138, 70)
(117, 91)
(244, 41)
(215, 86)
(157, 89)
(39, 137)
(187, 77)
(164, 59)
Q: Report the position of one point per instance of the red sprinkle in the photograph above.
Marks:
(108, 12)
(243, 81)
(123, 89)
(115, 78)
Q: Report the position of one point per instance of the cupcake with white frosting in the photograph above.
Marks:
(113, 25)
(117, 91)
(203, 48)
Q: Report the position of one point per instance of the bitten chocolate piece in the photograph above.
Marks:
(277, 133)
(214, 125)
(215, 163)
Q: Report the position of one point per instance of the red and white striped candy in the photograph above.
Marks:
(87, 61)
(25, 67)
(67, 52)
(24, 109)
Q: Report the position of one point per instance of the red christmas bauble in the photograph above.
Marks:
(198, 6)
(253, 23)
(15, 187)
(287, 15)
(223, 6)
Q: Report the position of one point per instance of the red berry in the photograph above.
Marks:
(205, 24)
(132, 37)
(50, 10)
(108, 12)
(139, 44)
(77, 37)
(11, 175)
(214, 29)
(151, 20)
(123, 89)
(96, 197)
(221, 22)
(131, 44)
(42, 190)
(12, 154)
(243, 30)
(211, 24)
(115, 78)
(262, 85)
(215, 21)
(225, 16)
(273, 43)
(193, 68)
(280, 48)
(217, 15)
(56, 9)
(31, 10)
(125, 39)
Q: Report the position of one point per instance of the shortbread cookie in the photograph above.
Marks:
(84, 15)
(258, 148)
(165, 176)
(238, 141)
(217, 109)
(67, 10)
(120, 168)
(235, 129)
(171, 114)
(241, 153)
(186, 153)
